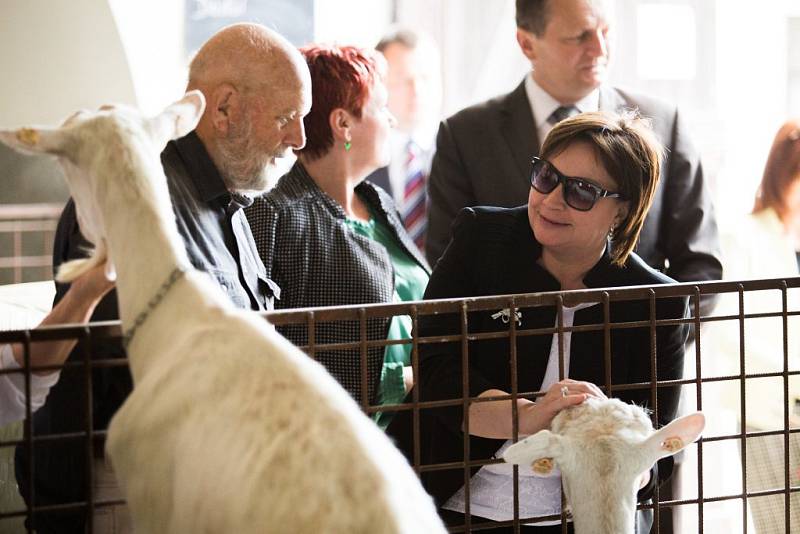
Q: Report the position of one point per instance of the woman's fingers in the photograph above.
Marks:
(570, 400)
(571, 387)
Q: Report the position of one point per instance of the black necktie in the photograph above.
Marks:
(561, 113)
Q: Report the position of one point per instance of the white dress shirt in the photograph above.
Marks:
(543, 105)
(12, 388)
(492, 487)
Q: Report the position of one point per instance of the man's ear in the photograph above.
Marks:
(340, 122)
(527, 43)
(223, 104)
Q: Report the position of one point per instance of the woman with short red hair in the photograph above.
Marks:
(328, 237)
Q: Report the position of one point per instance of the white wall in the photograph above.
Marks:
(59, 56)
(351, 22)
(479, 52)
(751, 96)
(154, 48)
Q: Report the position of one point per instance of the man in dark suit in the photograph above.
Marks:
(483, 153)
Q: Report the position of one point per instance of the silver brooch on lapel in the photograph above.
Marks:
(505, 316)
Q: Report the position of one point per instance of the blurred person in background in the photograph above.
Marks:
(763, 244)
(415, 92)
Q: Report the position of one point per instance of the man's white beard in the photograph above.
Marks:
(244, 168)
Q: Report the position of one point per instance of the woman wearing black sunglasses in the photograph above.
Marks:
(591, 189)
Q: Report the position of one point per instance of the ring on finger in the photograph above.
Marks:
(564, 391)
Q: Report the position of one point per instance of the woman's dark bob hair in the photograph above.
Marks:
(628, 150)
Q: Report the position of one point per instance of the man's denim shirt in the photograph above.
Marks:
(213, 225)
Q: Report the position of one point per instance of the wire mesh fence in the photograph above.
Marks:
(741, 368)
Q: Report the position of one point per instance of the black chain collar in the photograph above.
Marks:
(174, 276)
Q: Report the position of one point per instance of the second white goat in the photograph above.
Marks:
(601, 448)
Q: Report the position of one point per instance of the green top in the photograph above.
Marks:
(410, 280)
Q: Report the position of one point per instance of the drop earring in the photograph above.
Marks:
(347, 145)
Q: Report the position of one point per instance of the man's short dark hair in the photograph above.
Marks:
(533, 15)
(402, 36)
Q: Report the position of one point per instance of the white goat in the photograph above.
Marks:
(601, 448)
(229, 428)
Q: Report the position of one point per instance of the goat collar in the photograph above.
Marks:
(173, 277)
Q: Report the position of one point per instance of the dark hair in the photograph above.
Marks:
(533, 15)
(402, 36)
(781, 171)
(341, 77)
(629, 152)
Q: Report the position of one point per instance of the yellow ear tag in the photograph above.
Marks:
(29, 136)
(673, 444)
(542, 466)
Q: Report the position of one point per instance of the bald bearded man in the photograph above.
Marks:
(257, 88)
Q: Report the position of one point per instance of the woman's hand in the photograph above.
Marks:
(408, 378)
(92, 285)
(536, 416)
(493, 419)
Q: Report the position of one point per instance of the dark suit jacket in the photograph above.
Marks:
(494, 252)
(483, 158)
(380, 177)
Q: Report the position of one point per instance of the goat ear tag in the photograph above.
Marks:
(672, 444)
(542, 466)
(677, 435)
(33, 140)
(28, 136)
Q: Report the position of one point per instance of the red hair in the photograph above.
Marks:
(341, 77)
(781, 171)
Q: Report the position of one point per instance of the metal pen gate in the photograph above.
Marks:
(739, 321)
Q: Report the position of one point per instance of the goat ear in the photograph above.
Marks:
(179, 118)
(70, 270)
(677, 435)
(110, 271)
(537, 451)
(34, 140)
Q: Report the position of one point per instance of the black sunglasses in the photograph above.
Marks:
(579, 193)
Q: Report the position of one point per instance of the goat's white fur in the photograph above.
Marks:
(229, 428)
(601, 448)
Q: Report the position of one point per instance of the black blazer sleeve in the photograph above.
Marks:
(441, 363)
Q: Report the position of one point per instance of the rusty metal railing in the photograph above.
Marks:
(26, 234)
(694, 382)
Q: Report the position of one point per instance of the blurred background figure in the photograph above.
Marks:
(762, 244)
(415, 94)
(776, 213)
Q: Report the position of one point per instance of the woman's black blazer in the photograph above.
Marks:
(494, 252)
